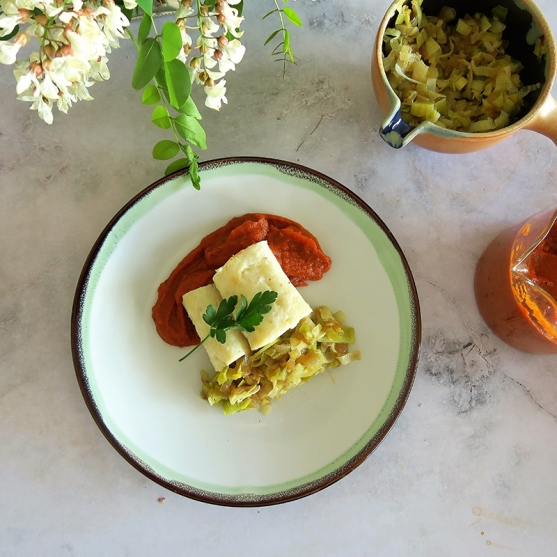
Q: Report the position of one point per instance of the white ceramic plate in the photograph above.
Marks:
(147, 403)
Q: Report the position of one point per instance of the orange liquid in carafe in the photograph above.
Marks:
(543, 264)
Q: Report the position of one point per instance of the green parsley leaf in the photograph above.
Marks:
(248, 316)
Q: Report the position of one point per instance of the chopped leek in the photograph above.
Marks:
(318, 342)
(454, 73)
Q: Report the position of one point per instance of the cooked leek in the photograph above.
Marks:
(318, 342)
(454, 74)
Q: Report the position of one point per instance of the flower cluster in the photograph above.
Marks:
(74, 38)
(218, 48)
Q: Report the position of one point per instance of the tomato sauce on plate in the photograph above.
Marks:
(296, 249)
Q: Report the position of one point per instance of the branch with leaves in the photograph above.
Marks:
(166, 83)
(283, 50)
(75, 36)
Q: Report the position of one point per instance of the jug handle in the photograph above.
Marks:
(545, 121)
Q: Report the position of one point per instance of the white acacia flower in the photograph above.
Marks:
(208, 42)
(208, 26)
(234, 51)
(113, 23)
(44, 108)
(25, 80)
(8, 52)
(64, 102)
(79, 90)
(207, 46)
(88, 42)
(99, 69)
(130, 4)
(69, 69)
(208, 59)
(9, 7)
(194, 74)
(48, 89)
(35, 29)
(231, 54)
(8, 23)
(231, 20)
(214, 75)
(183, 11)
(186, 39)
(66, 17)
(201, 76)
(226, 65)
(215, 95)
(52, 10)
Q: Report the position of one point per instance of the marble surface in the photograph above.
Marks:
(469, 467)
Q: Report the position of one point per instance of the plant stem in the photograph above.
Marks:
(160, 89)
(193, 349)
(283, 36)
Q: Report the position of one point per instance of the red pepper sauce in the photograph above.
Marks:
(297, 251)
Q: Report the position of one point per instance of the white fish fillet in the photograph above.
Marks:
(221, 355)
(256, 269)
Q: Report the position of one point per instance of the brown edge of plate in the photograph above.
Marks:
(244, 500)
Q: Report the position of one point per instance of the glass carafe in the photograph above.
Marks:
(516, 284)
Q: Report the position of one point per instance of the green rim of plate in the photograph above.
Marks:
(392, 260)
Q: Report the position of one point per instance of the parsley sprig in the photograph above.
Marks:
(248, 316)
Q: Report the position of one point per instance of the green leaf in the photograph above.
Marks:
(240, 7)
(278, 49)
(219, 335)
(190, 109)
(292, 16)
(178, 82)
(220, 318)
(146, 6)
(194, 174)
(286, 45)
(268, 14)
(248, 316)
(150, 95)
(190, 129)
(178, 164)
(210, 314)
(257, 308)
(149, 61)
(165, 150)
(194, 167)
(241, 308)
(226, 307)
(272, 36)
(160, 78)
(161, 117)
(171, 39)
(144, 28)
